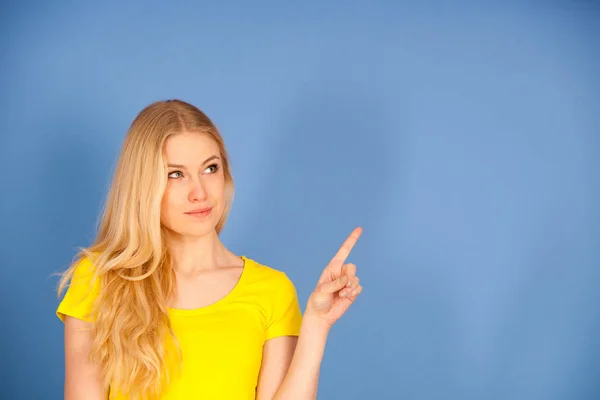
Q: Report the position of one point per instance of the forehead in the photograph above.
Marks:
(189, 148)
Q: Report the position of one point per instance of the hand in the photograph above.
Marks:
(338, 285)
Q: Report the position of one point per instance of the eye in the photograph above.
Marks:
(214, 167)
(173, 175)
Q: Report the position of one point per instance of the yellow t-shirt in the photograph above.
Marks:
(222, 343)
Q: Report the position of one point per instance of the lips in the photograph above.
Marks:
(200, 212)
(205, 210)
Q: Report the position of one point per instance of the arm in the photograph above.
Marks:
(82, 379)
(337, 289)
(302, 378)
(291, 365)
(276, 359)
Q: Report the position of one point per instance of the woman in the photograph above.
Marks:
(158, 308)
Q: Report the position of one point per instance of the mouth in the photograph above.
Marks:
(199, 213)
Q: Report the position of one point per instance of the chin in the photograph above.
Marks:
(197, 231)
(191, 231)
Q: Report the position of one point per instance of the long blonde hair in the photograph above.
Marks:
(130, 258)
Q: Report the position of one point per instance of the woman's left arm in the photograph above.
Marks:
(291, 366)
(276, 359)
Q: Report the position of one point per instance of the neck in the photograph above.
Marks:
(193, 255)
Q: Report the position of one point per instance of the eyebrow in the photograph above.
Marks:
(183, 166)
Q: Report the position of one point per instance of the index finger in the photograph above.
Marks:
(340, 257)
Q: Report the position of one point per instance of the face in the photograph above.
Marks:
(194, 198)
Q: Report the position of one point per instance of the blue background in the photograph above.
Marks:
(464, 139)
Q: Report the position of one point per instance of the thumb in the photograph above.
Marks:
(334, 286)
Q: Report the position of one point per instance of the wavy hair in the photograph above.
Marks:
(130, 315)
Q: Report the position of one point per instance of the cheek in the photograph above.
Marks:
(214, 186)
(164, 209)
(170, 203)
(221, 194)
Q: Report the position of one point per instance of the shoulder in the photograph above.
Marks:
(84, 275)
(84, 267)
(267, 276)
(264, 271)
(82, 290)
(277, 296)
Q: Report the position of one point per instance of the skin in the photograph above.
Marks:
(337, 288)
(206, 271)
(82, 378)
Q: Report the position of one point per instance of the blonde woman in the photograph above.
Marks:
(158, 308)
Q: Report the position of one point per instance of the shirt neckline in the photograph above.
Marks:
(221, 301)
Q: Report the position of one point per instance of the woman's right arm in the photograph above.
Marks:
(83, 380)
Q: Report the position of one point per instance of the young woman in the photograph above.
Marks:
(158, 308)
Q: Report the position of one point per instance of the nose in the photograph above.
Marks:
(197, 191)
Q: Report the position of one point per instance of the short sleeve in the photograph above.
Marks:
(81, 293)
(286, 317)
